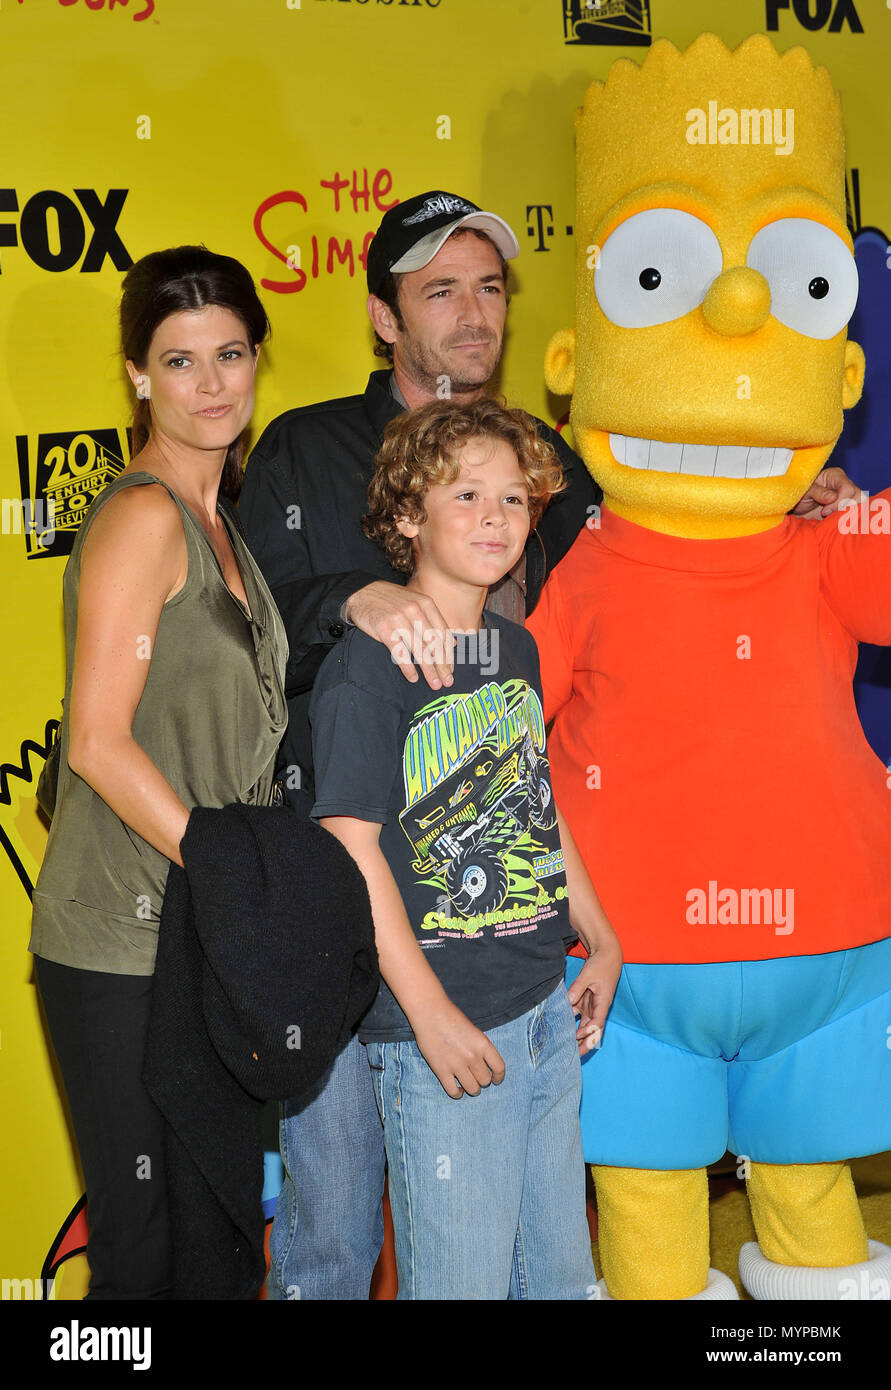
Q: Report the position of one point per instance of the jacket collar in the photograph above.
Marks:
(381, 404)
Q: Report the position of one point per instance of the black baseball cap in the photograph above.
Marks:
(412, 232)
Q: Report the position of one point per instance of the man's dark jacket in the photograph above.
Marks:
(301, 507)
(266, 963)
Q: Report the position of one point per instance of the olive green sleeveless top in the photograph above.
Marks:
(210, 718)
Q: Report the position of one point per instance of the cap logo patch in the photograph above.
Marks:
(435, 207)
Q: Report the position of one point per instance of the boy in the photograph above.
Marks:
(446, 806)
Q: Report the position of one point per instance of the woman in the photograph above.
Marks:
(174, 699)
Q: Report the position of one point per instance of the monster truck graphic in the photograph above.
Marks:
(463, 828)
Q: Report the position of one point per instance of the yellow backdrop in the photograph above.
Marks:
(273, 130)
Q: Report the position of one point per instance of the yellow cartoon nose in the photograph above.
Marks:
(738, 302)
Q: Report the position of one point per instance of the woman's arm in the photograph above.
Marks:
(134, 558)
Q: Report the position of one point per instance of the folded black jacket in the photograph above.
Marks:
(265, 965)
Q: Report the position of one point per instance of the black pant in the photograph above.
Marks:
(98, 1024)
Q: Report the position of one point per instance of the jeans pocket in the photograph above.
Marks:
(375, 1054)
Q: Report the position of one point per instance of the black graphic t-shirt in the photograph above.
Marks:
(459, 781)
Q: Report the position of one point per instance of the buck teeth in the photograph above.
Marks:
(706, 460)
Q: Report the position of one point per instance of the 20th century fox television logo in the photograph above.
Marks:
(59, 475)
(625, 22)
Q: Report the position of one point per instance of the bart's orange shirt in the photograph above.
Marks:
(706, 750)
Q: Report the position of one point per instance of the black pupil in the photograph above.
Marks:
(818, 288)
(650, 279)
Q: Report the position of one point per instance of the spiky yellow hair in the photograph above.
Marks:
(632, 129)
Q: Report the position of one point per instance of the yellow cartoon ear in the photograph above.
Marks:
(855, 368)
(560, 362)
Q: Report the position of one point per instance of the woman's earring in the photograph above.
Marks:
(143, 388)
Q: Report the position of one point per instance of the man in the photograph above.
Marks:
(437, 300)
(436, 274)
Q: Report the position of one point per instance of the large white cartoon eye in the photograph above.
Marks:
(656, 267)
(812, 275)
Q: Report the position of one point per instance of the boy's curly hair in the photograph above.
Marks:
(421, 448)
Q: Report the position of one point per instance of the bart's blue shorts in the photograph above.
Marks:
(783, 1061)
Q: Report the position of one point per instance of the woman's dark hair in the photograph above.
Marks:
(180, 279)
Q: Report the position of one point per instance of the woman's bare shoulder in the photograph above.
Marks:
(135, 510)
(139, 527)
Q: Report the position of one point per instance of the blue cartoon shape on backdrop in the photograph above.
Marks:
(864, 453)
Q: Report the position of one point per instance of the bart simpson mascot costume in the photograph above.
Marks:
(698, 646)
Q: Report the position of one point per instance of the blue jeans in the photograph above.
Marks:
(328, 1227)
(488, 1192)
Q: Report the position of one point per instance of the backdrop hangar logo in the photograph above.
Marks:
(59, 475)
(625, 22)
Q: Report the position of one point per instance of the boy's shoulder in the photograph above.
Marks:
(518, 638)
(361, 661)
(364, 662)
(515, 631)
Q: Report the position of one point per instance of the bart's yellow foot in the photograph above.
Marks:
(811, 1241)
(806, 1213)
(653, 1233)
(718, 1288)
